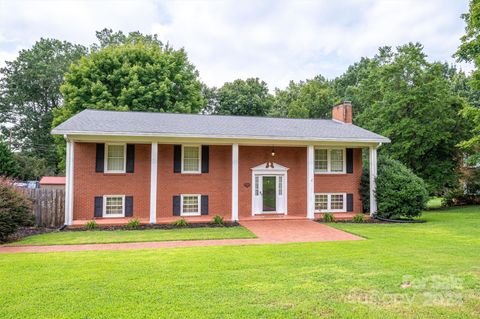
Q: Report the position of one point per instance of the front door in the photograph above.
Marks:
(269, 193)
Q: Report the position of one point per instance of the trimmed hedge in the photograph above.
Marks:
(15, 210)
(400, 193)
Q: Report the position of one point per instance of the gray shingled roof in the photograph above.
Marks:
(93, 122)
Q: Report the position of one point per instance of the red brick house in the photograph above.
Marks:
(158, 167)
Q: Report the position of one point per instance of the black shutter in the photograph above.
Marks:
(349, 202)
(130, 158)
(128, 206)
(177, 158)
(204, 205)
(176, 205)
(100, 158)
(205, 155)
(349, 160)
(98, 212)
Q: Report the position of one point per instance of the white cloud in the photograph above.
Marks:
(277, 41)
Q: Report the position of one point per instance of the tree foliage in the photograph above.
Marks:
(139, 76)
(242, 97)
(306, 99)
(8, 164)
(469, 51)
(412, 102)
(30, 90)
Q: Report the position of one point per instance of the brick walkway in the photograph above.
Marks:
(268, 232)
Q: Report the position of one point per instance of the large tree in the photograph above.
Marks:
(139, 76)
(242, 97)
(30, 90)
(306, 99)
(469, 51)
(412, 101)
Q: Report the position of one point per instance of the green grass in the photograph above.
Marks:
(434, 203)
(349, 279)
(128, 236)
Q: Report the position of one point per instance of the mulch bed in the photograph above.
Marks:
(28, 231)
(154, 226)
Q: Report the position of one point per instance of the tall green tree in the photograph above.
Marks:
(242, 97)
(8, 164)
(306, 99)
(140, 76)
(469, 51)
(108, 37)
(411, 101)
(30, 90)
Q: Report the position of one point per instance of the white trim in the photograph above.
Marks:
(310, 182)
(104, 210)
(153, 183)
(105, 159)
(373, 176)
(69, 165)
(199, 198)
(235, 182)
(220, 136)
(329, 160)
(199, 171)
(329, 203)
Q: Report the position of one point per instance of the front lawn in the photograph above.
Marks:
(429, 270)
(128, 236)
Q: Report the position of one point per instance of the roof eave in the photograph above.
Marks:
(219, 136)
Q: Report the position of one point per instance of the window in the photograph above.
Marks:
(114, 206)
(321, 202)
(330, 202)
(190, 205)
(330, 160)
(321, 160)
(280, 185)
(191, 159)
(115, 158)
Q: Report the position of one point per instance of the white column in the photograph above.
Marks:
(235, 182)
(310, 183)
(69, 182)
(153, 183)
(373, 176)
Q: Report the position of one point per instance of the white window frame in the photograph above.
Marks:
(105, 153)
(190, 213)
(329, 203)
(329, 160)
(104, 215)
(199, 171)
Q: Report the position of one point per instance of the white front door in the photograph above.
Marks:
(269, 194)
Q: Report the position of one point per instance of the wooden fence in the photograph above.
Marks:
(48, 206)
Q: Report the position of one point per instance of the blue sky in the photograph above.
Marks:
(274, 40)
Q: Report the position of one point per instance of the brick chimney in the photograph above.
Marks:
(342, 112)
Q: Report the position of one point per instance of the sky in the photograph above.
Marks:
(275, 40)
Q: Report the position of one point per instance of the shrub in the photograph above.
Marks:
(180, 222)
(218, 220)
(15, 209)
(328, 218)
(467, 192)
(91, 225)
(359, 218)
(400, 193)
(133, 224)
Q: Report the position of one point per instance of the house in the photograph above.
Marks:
(158, 167)
(52, 182)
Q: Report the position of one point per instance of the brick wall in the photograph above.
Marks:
(87, 183)
(343, 183)
(216, 183)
